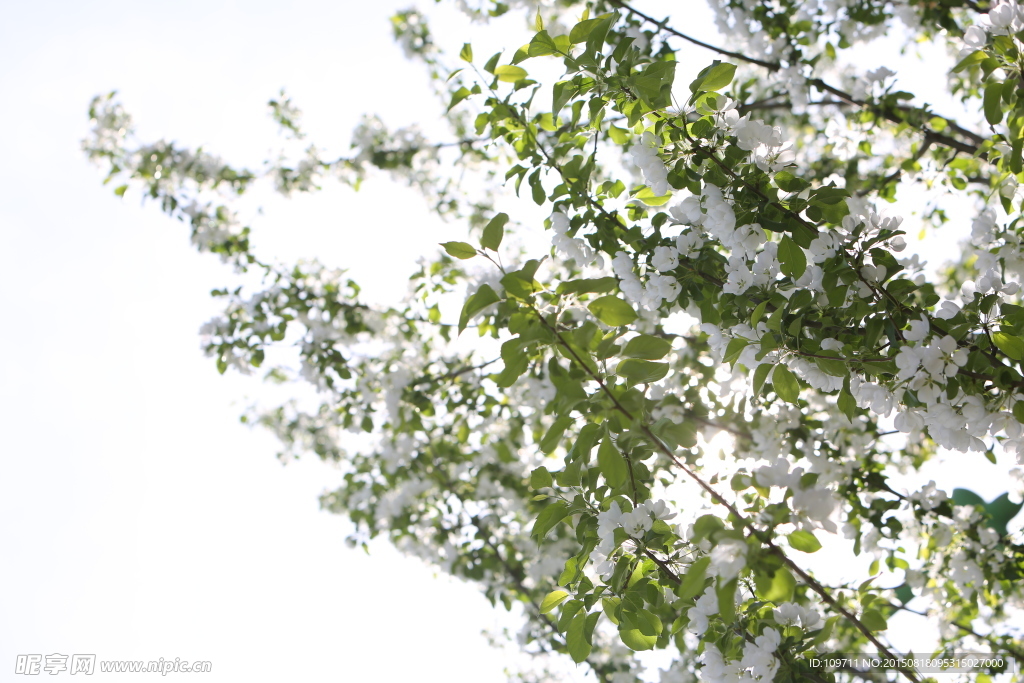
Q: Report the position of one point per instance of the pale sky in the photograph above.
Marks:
(139, 518)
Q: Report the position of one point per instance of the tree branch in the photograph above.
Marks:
(889, 115)
(810, 581)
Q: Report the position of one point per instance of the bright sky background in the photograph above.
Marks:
(139, 518)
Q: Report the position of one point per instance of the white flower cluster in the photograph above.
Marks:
(659, 286)
(635, 523)
(990, 282)
(713, 212)
(871, 395)
(407, 156)
(958, 556)
(792, 614)
(111, 127)
(718, 340)
(1013, 429)
(211, 229)
(645, 155)
(930, 497)
(571, 247)
(812, 374)
(742, 275)
(813, 506)
(764, 142)
(728, 558)
(1006, 17)
(677, 673)
(758, 665)
(303, 178)
(999, 254)
(922, 363)
(706, 606)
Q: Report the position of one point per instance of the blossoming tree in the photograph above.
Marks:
(719, 363)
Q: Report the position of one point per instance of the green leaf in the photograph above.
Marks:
(619, 136)
(967, 497)
(611, 463)
(568, 611)
(576, 638)
(610, 605)
(727, 600)
(554, 434)
(516, 363)
(581, 31)
(520, 285)
(734, 349)
(647, 347)
(706, 526)
(459, 250)
(536, 187)
(873, 620)
(649, 623)
(466, 53)
(548, 518)
(760, 375)
(758, 313)
(692, 584)
(588, 286)
(831, 201)
(847, 403)
(785, 383)
(592, 32)
(492, 62)
(831, 363)
(635, 640)
(1001, 511)
(571, 571)
(993, 102)
(804, 541)
(654, 84)
(459, 95)
(561, 93)
(792, 258)
(553, 600)
(510, 74)
(676, 434)
(542, 45)
(612, 311)
(637, 371)
(714, 77)
(585, 442)
(825, 632)
(788, 182)
(493, 232)
(647, 196)
(480, 300)
(778, 588)
(974, 58)
(540, 478)
(904, 594)
(1008, 344)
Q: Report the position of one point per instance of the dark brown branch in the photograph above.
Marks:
(891, 116)
(886, 113)
(719, 498)
(771, 66)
